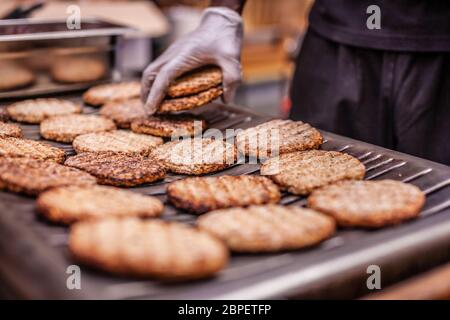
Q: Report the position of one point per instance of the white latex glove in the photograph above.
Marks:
(217, 41)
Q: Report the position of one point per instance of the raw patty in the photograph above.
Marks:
(14, 76)
(77, 69)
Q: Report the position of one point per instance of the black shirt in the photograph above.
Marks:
(406, 25)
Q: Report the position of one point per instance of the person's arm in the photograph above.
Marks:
(216, 41)
(236, 5)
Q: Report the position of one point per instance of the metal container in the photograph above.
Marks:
(43, 57)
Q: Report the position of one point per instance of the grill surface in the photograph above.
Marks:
(34, 258)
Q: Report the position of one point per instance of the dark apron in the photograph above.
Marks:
(397, 100)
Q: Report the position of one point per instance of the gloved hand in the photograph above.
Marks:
(217, 41)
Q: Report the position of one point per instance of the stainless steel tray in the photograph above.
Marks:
(34, 258)
(34, 45)
(43, 29)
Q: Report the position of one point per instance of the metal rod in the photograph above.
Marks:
(289, 199)
(401, 164)
(417, 175)
(365, 155)
(437, 208)
(437, 187)
(380, 164)
(372, 159)
(345, 148)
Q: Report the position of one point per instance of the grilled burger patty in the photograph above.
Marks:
(123, 113)
(195, 156)
(169, 126)
(370, 204)
(302, 172)
(194, 82)
(200, 195)
(118, 169)
(117, 141)
(31, 177)
(10, 130)
(4, 116)
(71, 204)
(67, 128)
(278, 137)
(104, 93)
(190, 102)
(268, 228)
(36, 110)
(147, 248)
(24, 148)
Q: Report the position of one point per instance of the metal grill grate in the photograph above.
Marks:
(246, 274)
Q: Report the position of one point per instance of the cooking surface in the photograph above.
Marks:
(34, 257)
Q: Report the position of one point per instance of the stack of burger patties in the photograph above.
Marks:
(193, 89)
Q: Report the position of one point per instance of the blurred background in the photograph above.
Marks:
(273, 34)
